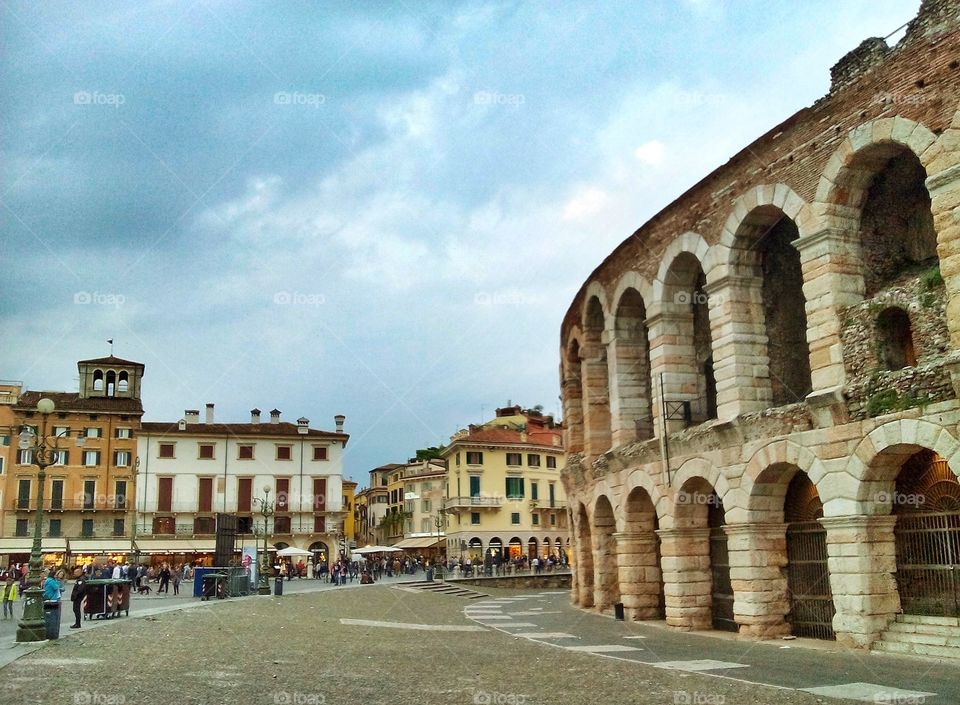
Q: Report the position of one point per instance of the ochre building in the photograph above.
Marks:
(760, 385)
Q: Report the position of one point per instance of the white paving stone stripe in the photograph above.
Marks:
(415, 627)
(704, 664)
(493, 616)
(870, 693)
(603, 648)
(530, 613)
(514, 625)
(546, 635)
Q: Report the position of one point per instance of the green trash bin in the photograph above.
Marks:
(51, 619)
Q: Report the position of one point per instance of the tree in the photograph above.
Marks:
(431, 453)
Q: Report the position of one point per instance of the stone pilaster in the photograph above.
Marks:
(583, 568)
(758, 555)
(672, 355)
(944, 188)
(741, 365)
(861, 555)
(685, 559)
(629, 398)
(639, 574)
(832, 262)
(573, 411)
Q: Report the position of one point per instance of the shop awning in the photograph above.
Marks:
(25, 545)
(165, 545)
(422, 542)
(100, 546)
(204, 546)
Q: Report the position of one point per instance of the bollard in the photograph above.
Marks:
(618, 611)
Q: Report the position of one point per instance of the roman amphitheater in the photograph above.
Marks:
(761, 384)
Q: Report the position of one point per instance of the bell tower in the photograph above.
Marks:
(110, 378)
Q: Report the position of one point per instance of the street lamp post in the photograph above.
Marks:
(31, 626)
(267, 510)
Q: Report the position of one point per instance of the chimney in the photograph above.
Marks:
(303, 425)
(191, 416)
(254, 416)
(182, 424)
(338, 420)
(209, 413)
(275, 416)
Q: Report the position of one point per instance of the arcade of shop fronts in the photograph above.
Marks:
(115, 488)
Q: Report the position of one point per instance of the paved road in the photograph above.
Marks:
(822, 668)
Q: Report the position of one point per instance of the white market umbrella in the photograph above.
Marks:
(293, 551)
(376, 549)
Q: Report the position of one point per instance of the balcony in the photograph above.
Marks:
(456, 504)
(547, 505)
(70, 505)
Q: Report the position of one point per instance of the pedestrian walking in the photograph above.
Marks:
(176, 583)
(164, 580)
(76, 597)
(10, 594)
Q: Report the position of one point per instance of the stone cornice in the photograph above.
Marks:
(859, 521)
(824, 235)
(945, 178)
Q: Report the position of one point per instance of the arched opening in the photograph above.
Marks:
(584, 560)
(515, 548)
(532, 549)
(808, 576)
(896, 223)
(641, 580)
(770, 281)
(595, 380)
(630, 371)
(123, 383)
(111, 383)
(721, 604)
(895, 339)
(606, 586)
(321, 553)
(475, 549)
(926, 502)
(545, 547)
(98, 380)
(691, 382)
(573, 398)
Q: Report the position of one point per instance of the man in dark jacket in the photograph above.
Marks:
(76, 597)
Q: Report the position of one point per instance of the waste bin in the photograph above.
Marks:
(618, 610)
(51, 619)
(278, 585)
(429, 575)
(214, 585)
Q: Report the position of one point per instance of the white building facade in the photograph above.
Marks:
(191, 470)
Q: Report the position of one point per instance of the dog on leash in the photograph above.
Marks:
(144, 590)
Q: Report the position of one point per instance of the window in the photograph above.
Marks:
(319, 452)
(165, 494)
(319, 524)
(551, 462)
(56, 494)
(24, 457)
(121, 458)
(55, 527)
(553, 520)
(515, 517)
(120, 494)
(124, 433)
(205, 451)
(118, 527)
(895, 339)
(61, 431)
(281, 525)
(166, 450)
(474, 486)
(89, 494)
(245, 452)
(204, 525)
(534, 490)
(91, 458)
(409, 507)
(475, 518)
(319, 494)
(1, 464)
(533, 460)
(21, 527)
(426, 526)
(284, 452)
(244, 495)
(458, 459)
(164, 526)
(91, 432)
(205, 493)
(425, 506)
(283, 492)
(23, 494)
(244, 525)
(514, 459)
(515, 488)
(474, 458)
(86, 529)
(60, 457)
(535, 519)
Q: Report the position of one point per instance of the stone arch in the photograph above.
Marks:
(638, 556)
(631, 394)
(595, 291)
(689, 242)
(572, 386)
(764, 485)
(606, 588)
(874, 465)
(778, 196)
(594, 377)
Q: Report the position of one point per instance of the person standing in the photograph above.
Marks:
(51, 598)
(76, 597)
(164, 580)
(10, 594)
(176, 582)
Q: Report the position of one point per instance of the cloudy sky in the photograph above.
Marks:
(375, 209)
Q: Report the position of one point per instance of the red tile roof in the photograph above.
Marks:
(111, 360)
(264, 430)
(507, 436)
(71, 401)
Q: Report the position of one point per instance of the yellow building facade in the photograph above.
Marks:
(504, 497)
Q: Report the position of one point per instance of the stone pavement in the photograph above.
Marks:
(380, 644)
